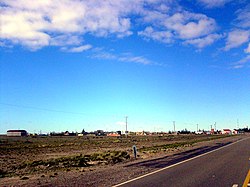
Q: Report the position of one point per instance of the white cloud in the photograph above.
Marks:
(241, 33)
(6, 45)
(236, 38)
(124, 57)
(213, 3)
(243, 17)
(78, 49)
(38, 24)
(134, 59)
(17, 27)
(162, 36)
(189, 25)
(182, 25)
(241, 63)
(62, 40)
(104, 55)
(42, 23)
(205, 41)
(247, 50)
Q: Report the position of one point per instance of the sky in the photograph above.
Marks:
(78, 64)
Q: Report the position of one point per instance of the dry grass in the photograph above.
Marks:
(27, 155)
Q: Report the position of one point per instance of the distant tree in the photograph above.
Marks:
(83, 131)
(184, 131)
(244, 130)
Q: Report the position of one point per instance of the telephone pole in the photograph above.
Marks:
(197, 127)
(174, 125)
(126, 132)
(238, 123)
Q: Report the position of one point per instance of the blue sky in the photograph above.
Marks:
(69, 65)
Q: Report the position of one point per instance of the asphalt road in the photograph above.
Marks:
(225, 166)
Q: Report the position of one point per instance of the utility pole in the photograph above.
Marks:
(174, 125)
(197, 127)
(126, 132)
(238, 123)
(215, 126)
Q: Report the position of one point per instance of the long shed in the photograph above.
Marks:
(17, 133)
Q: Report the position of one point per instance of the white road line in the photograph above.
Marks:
(178, 163)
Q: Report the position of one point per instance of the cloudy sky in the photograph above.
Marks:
(74, 64)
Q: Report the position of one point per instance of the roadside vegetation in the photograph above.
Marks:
(69, 162)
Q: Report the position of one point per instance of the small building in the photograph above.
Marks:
(67, 133)
(114, 134)
(235, 131)
(17, 133)
(142, 133)
(199, 132)
(226, 131)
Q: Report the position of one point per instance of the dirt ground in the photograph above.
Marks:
(18, 157)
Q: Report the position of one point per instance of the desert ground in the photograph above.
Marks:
(94, 161)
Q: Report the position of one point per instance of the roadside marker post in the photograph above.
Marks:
(134, 151)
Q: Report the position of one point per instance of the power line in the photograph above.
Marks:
(42, 109)
(47, 110)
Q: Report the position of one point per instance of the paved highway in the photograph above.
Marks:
(226, 166)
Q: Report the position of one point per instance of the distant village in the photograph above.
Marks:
(23, 133)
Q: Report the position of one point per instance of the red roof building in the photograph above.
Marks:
(226, 131)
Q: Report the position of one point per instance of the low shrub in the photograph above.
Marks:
(79, 160)
(2, 173)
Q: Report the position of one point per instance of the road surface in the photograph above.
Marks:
(225, 166)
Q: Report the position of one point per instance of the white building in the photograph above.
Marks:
(226, 131)
(17, 133)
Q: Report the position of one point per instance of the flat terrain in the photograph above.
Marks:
(95, 161)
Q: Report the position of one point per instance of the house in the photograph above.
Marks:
(17, 133)
(235, 131)
(199, 132)
(226, 131)
(143, 133)
(67, 133)
(115, 134)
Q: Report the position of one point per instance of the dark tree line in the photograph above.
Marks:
(244, 130)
